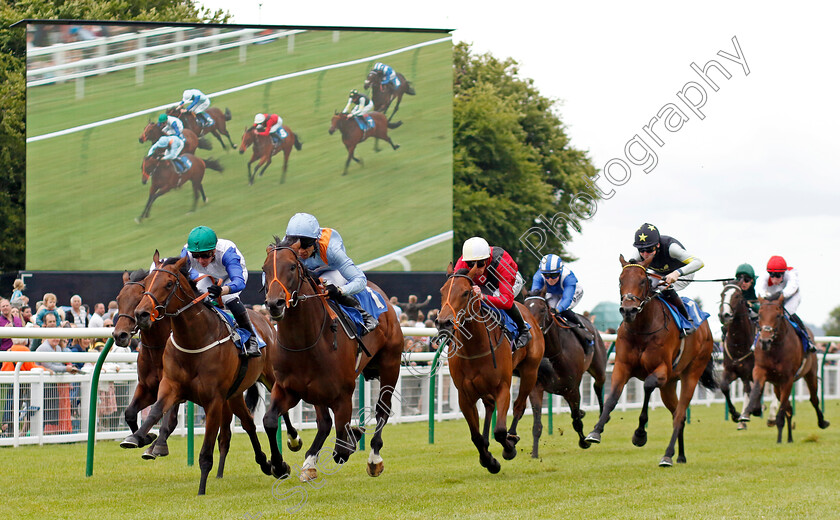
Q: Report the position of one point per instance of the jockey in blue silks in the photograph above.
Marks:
(198, 103)
(389, 76)
(172, 146)
(322, 252)
(171, 126)
(562, 293)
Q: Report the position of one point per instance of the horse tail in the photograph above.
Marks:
(409, 89)
(394, 125)
(298, 144)
(214, 164)
(205, 143)
(709, 378)
(227, 114)
(252, 397)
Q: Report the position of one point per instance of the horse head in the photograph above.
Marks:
(248, 138)
(730, 299)
(373, 78)
(771, 315)
(284, 275)
(166, 285)
(634, 287)
(458, 303)
(151, 132)
(128, 298)
(335, 122)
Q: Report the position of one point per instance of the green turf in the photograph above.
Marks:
(729, 474)
(84, 189)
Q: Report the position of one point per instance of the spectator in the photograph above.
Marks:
(54, 345)
(7, 320)
(18, 299)
(26, 316)
(48, 309)
(78, 315)
(97, 319)
(49, 322)
(79, 345)
(9, 366)
(113, 309)
(396, 306)
(412, 308)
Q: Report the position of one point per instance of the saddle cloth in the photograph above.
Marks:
(365, 123)
(501, 317)
(697, 316)
(240, 336)
(371, 301)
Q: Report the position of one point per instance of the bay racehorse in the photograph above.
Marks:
(780, 359)
(648, 347)
(319, 363)
(150, 370)
(152, 132)
(201, 363)
(563, 366)
(165, 178)
(264, 148)
(738, 339)
(481, 364)
(218, 128)
(352, 134)
(383, 95)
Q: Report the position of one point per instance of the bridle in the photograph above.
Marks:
(648, 289)
(551, 316)
(136, 327)
(160, 308)
(467, 317)
(771, 329)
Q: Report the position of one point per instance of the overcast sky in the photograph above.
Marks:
(754, 177)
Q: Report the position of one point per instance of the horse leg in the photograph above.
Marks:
(148, 208)
(292, 438)
(397, 107)
(598, 379)
(159, 448)
(470, 412)
(346, 437)
(688, 383)
(265, 163)
(573, 398)
(755, 397)
(619, 379)
(286, 153)
(350, 151)
(238, 407)
(501, 434)
(309, 470)
(388, 378)
(388, 140)
(211, 430)
(225, 434)
(168, 396)
(813, 389)
(251, 175)
(195, 186)
(489, 408)
(219, 137)
(652, 382)
(281, 402)
(727, 378)
(143, 397)
(785, 409)
(536, 407)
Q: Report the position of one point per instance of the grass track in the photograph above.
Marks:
(84, 189)
(729, 474)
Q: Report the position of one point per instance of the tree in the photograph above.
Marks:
(513, 167)
(13, 87)
(832, 326)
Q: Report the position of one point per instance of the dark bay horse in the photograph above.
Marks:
(649, 348)
(563, 367)
(384, 95)
(481, 364)
(200, 364)
(165, 178)
(264, 149)
(218, 128)
(738, 338)
(781, 360)
(320, 364)
(352, 135)
(152, 132)
(150, 370)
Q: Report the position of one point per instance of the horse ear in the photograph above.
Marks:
(647, 262)
(181, 263)
(268, 249)
(622, 260)
(156, 258)
(126, 277)
(450, 269)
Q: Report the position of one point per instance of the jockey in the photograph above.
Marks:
(563, 292)
(498, 273)
(784, 280)
(322, 252)
(670, 259)
(171, 145)
(171, 126)
(389, 76)
(745, 279)
(220, 258)
(363, 104)
(269, 124)
(198, 103)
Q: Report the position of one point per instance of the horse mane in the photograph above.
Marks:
(462, 271)
(138, 275)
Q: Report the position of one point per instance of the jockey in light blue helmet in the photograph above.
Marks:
(562, 293)
(389, 76)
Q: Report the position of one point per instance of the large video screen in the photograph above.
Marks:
(93, 89)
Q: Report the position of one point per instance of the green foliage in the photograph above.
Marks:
(12, 90)
(832, 326)
(512, 159)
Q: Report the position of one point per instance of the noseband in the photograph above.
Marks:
(467, 316)
(767, 328)
(292, 297)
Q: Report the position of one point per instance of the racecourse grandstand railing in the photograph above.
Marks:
(38, 408)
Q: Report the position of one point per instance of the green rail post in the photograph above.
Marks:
(493, 421)
(822, 379)
(94, 397)
(793, 399)
(362, 411)
(278, 439)
(550, 414)
(433, 391)
(190, 432)
(609, 353)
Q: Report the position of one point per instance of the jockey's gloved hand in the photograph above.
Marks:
(214, 291)
(332, 291)
(260, 127)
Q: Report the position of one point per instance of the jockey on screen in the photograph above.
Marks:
(269, 124)
(197, 103)
(363, 104)
(171, 126)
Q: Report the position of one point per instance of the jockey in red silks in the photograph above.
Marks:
(498, 275)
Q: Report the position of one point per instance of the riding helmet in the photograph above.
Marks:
(551, 264)
(162, 118)
(201, 238)
(647, 235)
(259, 119)
(475, 248)
(303, 225)
(777, 264)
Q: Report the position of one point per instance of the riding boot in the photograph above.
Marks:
(240, 314)
(798, 321)
(671, 296)
(586, 338)
(350, 301)
(524, 334)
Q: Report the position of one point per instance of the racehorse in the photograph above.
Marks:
(201, 363)
(563, 366)
(319, 363)
(648, 347)
(351, 134)
(264, 149)
(738, 338)
(165, 178)
(150, 370)
(481, 364)
(153, 132)
(383, 95)
(218, 128)
(781, 360)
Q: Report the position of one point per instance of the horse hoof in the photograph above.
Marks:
(508, 454)
(666, 462)
(147, 439)
(137, 220)
(265, 467)
(639, 440)
(771, 423)
(583, 444)
(294, 444)
(824, 424)
(283, 472)
(374, 470)
(744, 418)
(593, 438)
(513, 439)
(494, 466)
(160, 450)
(681, 460)
(148, 455)
(308, 474)
(742, 426)
(130, 442)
